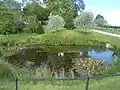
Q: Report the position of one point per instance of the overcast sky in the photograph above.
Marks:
(110, 9)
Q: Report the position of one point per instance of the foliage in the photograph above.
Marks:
(35, 9)
(18, 22)
(63, 8)
(114, 68)
(55, 22)
(6, 23)
(65, 37)
(79, 5)
(6, 70)
(69, 23)
(110, 83)
(27, 30)
(90, 66)
(84, 20)
(39, 29)
(31, 22)
(99, 16)
(99, 20)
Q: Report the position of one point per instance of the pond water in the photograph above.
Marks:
(40, 57)
(103, 55)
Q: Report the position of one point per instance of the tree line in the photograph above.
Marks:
(31, 15)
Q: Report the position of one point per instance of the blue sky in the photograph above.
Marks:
(110, 9)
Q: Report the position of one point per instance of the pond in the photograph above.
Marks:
(37, 56)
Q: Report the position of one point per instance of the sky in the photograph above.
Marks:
(110, 9)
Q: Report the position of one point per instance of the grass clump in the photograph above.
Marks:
(67, 37)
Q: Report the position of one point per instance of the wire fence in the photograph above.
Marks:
(13, 84)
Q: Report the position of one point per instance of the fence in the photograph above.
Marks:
(63, 79)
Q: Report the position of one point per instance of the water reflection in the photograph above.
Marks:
(62, 58)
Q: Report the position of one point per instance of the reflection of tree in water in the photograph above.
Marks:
(54, 62)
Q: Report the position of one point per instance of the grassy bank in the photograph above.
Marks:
(64, 37)
(53, 40)
(76, 37)
(111, 83)
(16, 37)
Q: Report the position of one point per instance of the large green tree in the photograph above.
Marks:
(63, 8)
(18, 21)
(36, 9)
(84, 20)
(6, 20)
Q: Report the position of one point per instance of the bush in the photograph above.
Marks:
(39, 29)
(84, 20)
(6, 70)
(90, 66)
(114, 68)
(27, 30)
(55, 22)
(69, 24)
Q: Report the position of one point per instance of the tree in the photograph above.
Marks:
(84, 20)
(99, 16)
(39, 29)
(63, 8)
(55, 22)
(99, 20)
(18, 21)
(6, 20)
(35, 9)
(79, 5)
(31, 22)
(67, 9)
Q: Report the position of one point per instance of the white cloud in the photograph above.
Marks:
(111, 15)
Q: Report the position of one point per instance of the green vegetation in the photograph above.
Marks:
(54, 26)
(111, 83)
(16, 37)
(84, 20)
(52, 39)
(112, 31)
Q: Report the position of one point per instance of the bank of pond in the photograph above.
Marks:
(72, 53)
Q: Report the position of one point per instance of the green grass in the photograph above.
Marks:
(76, 37)
(63, 40)
(112, 31)
(64, 37)
(111, 83)
(16, 37)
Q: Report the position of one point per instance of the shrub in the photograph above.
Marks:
(84, 20)
(114, 68)
(69, 24)
(90, 66)
(27, 30)
(55, 22)
(39, 29)
(5, 70)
